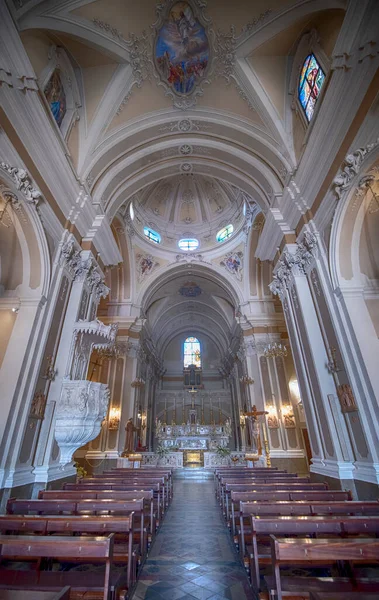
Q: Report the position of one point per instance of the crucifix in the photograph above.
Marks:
(97, 363)
(252, 419)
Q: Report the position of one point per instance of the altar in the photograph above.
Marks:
(193, 436)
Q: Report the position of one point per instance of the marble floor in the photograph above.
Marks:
(192, 556)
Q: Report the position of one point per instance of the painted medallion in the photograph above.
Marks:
(182, 50)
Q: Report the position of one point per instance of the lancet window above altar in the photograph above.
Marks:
(192, 352)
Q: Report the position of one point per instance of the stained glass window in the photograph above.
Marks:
(192, 354)
(224, 233)
(188, 244)
(152, 235)
(312, 78)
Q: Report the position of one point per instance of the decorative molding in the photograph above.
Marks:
(185, 126)
(23, 183)
(257, 22)
(186, 168)
(186, 149)
(351, 167)
(189, 258)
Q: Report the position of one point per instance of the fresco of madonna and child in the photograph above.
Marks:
(182, 49)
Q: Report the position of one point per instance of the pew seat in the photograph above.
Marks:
(106, 584)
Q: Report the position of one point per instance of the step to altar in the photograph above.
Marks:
(194, 473)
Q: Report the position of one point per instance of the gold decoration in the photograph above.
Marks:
(37, 408)
(346, 398)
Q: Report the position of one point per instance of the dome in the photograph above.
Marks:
(189, 207)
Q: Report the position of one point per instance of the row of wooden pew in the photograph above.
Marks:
(110, 519)
(278, 519)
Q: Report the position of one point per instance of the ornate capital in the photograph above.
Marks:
(292, 264)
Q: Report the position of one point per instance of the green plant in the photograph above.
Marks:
(222, 452)
(162, 451)
(80, 471)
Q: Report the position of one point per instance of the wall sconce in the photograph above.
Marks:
(138, 383)
(114, 419)
(15, 309)
(242, 420)
(287, 410)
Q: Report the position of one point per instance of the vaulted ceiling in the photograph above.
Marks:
(130, 131)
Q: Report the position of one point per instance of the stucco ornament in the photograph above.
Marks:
(80, 412)
(351, 167)
(23, 183)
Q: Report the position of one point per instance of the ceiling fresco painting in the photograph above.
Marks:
(182, 49)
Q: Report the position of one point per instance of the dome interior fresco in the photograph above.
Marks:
(189, 206)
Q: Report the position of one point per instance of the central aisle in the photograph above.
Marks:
(192, 556)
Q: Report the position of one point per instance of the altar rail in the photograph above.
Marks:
(175, 460)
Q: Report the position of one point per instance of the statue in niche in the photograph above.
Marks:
(228, 427)
(129, 440)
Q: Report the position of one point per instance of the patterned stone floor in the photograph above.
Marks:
(192, 556)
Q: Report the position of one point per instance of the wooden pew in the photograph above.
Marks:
(84, 525)
(105, 487)
(250, 473)
(246, 479)
(237, 496)
(147, 470)
(266, 488)
(84, 494)
(301, 508)
(135, 483)
(300, 526)
(64, 594)
(84, 507)
(291, 551)
(61, 548)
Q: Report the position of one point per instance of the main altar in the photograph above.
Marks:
(193, 436)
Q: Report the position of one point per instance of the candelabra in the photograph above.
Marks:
(272, 350)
